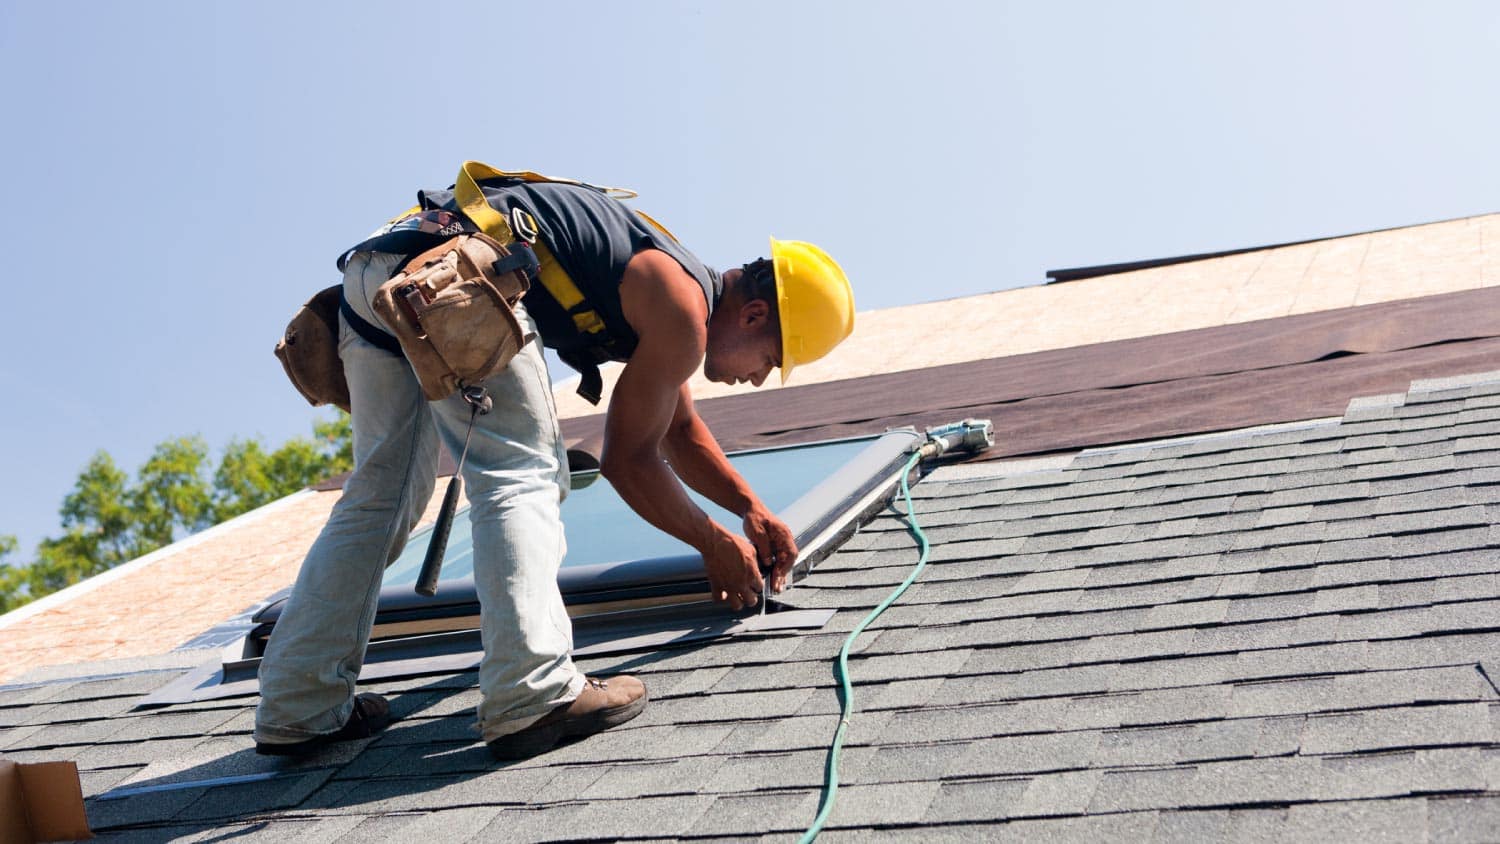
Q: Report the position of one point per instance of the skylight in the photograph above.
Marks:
(601, 527)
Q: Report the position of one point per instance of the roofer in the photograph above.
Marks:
(608, 283)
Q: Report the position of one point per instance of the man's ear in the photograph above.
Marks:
(754, 314)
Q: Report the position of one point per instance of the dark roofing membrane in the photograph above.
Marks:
(1210, 379)
(1287, 633)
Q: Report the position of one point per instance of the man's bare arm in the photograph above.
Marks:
(665, 307)
(698, 460)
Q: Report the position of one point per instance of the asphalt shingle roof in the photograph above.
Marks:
(1284, 633)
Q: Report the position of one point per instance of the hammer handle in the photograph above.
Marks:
(432, 565)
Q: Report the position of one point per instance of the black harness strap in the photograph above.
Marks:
(364, 328)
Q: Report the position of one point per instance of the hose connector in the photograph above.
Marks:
(972, 435)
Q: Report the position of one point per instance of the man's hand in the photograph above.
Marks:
(733, 576)
(775, 547)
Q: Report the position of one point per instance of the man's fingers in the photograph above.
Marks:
(763, 547)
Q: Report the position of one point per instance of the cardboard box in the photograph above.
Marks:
(41, 801)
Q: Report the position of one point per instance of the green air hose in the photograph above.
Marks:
(846, 690)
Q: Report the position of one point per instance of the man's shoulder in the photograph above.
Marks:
(657, 290)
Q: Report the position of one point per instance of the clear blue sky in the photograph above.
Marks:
(180, 176)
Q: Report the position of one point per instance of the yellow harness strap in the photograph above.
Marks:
(554, 278)
(562, 288)
(471, 201)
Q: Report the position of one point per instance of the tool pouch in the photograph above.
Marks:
(309, 351)
(451, 309)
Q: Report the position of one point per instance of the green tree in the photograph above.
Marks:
(107, 519)
(248, 476)
(170, 494)
(12, 579)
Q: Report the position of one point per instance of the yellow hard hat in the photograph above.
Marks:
(815, 302)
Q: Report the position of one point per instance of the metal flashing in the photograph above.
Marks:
(457, 651)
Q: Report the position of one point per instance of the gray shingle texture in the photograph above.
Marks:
(1280, 636)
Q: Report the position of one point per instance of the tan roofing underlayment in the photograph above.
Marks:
(157, 603)
(1342, 272)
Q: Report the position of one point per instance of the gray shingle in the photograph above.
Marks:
(1284, 556)
(1151, 595)
(1420, 726)
(231, 801)
(1155, 745)
(1462, 819)
(724, 706)
(1354, 550)
(1342, 574)
(1133, 646)
(1145, 572)
(1399, 773)
(1405, 594)
(1386, 820)
(1240, 738)
(903, 763)
(1246, 636)
(623, 780)
(1026, 754)
(1431, 520)
(949, 723)
(1067, 792)
(1445, 649)
(1192, 827)
(1282, 606)
(1121, 791)
(140, 808)
(534, 823)
(1152, 708)
(1081, 624)
(876, 805)
(1070, 680)
(1346, 599)
(1013, 606)
(1195, 613)
(316, 830)
(975, 800)
(1457, 588)
(758, 770)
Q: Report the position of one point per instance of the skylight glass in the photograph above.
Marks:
(601, 527)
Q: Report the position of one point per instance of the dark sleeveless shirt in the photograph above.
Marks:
(593, 236)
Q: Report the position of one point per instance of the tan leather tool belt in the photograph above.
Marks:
(453, 313)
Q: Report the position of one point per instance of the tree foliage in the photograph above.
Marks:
(109, 518)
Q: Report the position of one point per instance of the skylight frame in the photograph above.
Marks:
(649, 583)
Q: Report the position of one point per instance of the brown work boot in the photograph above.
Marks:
(602, 704)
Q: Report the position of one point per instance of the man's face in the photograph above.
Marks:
(743, 350)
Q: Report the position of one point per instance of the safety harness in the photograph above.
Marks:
(418, 229)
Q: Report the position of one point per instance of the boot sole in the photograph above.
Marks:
(533, 741)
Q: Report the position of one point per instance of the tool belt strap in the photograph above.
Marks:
(377, 337)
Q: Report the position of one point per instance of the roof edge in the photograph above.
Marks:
(1059, 276)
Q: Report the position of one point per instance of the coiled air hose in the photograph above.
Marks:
(970, 434)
